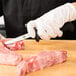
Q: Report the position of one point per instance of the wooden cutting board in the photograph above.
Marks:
(67, 68)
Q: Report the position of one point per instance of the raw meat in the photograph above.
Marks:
(8, 57)
(14, 46)
(3, 48)
(40, 61)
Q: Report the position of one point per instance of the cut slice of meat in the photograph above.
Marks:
(14, 46)
(3, 48)
(40, 61)
(10, 58)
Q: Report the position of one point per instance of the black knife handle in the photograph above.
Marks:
(65, 28)
(36, 36)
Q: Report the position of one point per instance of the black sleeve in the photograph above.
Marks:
(1, 10)
(12, 10)
(18, 12)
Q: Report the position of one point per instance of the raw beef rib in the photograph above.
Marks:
(40, 61)
(14, 46)
(8, 57)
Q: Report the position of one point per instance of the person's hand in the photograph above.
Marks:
(48, 26)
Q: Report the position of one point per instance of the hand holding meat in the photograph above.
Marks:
(48, 26)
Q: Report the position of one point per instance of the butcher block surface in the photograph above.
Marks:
(67, 68)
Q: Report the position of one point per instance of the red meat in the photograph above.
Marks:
(8, 57)
(14, 46)
(3, 48)
(40, 61)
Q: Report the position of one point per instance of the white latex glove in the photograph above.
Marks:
(48, 25)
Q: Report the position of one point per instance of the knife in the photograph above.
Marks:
(23, 37)
(37, 38)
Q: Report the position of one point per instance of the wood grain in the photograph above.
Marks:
(67, 68)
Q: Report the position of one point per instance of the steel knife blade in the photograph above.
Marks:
(19, 38)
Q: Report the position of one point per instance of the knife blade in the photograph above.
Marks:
(23, 37)
(19, 38)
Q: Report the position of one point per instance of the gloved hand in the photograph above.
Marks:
(48, 25)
